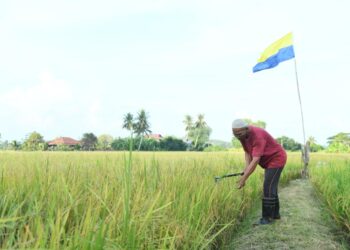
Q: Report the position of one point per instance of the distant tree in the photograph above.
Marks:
(15, 145)
(339, 143)
(104, 142)
(289, 143)
(170, 143)
(338, 147)
(314, 147)
(148, 144)
(200, 123)
(62, 147)
(341, 138)
(88, 142)
(34, 141)
(124, 144)
(311, 140)
(142, 126)
(120, 144)
(200, 137)
(199, 133)
(128, 123)
(188, 125)
(4, 145)
(200, 130)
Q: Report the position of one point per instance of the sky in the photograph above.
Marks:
(72, 67)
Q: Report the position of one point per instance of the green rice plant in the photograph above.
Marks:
(124, 200)
(331, 177)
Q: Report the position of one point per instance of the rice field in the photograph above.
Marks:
(124, 200)
(330, 174)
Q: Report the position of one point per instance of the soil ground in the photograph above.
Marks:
(305, 224)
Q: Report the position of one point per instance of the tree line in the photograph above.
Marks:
(197, 138)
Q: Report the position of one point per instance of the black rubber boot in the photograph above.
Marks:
(268, 210)
(265, 221)
(276, 215)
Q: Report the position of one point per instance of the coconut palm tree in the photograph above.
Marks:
(312, 140)
(200, 124)
(189, 125)
(142, 127)
(128, 123)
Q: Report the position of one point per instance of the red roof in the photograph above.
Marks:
(64, 141)
(155, 136)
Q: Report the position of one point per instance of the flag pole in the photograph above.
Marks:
(305, 149)
(301, 107)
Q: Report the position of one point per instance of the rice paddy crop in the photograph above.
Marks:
(124, 200)
(331, 177)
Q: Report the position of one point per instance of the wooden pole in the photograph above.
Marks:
(306, 147)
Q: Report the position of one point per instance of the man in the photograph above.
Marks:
(260, 148)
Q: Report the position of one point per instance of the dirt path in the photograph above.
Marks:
(304, 224)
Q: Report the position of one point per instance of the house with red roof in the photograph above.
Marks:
(63, 141)
(156, 137)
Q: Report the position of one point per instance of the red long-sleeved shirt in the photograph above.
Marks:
(261, 144)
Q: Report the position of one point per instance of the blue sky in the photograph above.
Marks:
(70, 67)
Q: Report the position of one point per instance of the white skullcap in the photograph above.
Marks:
(239, 123)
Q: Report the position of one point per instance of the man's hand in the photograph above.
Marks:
(248, 171)
(241, 183)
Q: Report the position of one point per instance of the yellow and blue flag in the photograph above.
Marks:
(279, 51)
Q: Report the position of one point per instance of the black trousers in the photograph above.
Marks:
(272, 177)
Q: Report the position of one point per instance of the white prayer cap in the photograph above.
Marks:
(239, 123)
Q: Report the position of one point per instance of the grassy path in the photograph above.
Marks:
(304, 224)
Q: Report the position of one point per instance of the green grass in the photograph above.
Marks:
(304, 224)
(98, 200)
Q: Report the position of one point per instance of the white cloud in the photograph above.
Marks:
(36, 105)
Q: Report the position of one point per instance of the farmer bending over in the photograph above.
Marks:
(260, 148)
